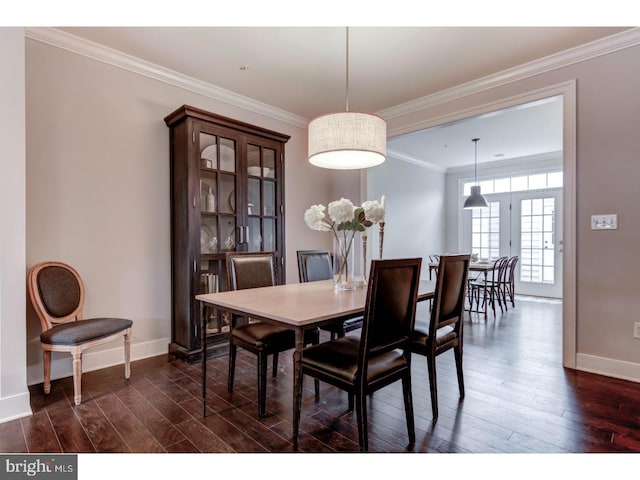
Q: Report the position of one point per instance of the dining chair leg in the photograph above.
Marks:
(127, 355)
(433, 388)
(457, 352)
(46, 357)
(351, 402)
(77, 377)
(361, 415)
(262, 383)
(408, 408)
(316, 386)
(232, 366)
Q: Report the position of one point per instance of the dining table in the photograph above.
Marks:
(298, 306)
(483, 267)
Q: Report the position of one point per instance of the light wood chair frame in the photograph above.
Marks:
(48, 321)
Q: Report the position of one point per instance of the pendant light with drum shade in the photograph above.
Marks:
(347, 140)
(476, 199)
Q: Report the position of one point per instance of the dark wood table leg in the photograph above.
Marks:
(203, 353)
(297, 384)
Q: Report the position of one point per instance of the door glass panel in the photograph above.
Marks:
(537, 246)
(227, 154)
(269, 162)
(485, 231)
(208, 151)
(254, 206)
(227, 199)
(254, 167)
(209, 235)
(227, 233)
(269, 198)
(255, 237)
(208, 192)
(269, 234)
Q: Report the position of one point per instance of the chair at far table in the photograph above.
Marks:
(253, 270)
(57, 295)
(443, 331)
(382, 354)
(315, 265)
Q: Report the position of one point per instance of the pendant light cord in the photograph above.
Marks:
(347, 70)
(475, 168)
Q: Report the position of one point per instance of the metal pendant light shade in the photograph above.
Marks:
(476, 199)
(347, 140)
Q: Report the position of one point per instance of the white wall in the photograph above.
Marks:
(98, 191)
(414, 203)
(14, 395)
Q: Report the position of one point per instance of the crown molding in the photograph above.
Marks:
(613, 43)
(95, 51)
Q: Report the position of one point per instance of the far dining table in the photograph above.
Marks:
(482, 267)
(298, 306)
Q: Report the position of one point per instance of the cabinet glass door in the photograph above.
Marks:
(261, 197)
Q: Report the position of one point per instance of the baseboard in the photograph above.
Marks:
(609, 367)
(62, 367)
(15, 406)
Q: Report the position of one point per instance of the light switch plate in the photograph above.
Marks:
(604, 222)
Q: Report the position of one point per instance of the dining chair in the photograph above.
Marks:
(253, 270)
(443, 330)
(57, 294)
(493, 284)
(315, 265)
(381, 355)
(509, 281)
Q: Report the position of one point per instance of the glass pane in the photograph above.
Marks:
(502, 185)
(253, 197)
(208, 192)
(554, 180)
(269, 234)
(209, 235)
(255, 238)
(208, 150)
(486, 186)
(227, 154)
(228, 233)
(537, 181)
(269, 198)
(519, 183)
(253, 160)
(227, 199)
(269, 162)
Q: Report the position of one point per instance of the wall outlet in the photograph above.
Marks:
(636, 330)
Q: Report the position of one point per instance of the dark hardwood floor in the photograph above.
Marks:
(518, 399)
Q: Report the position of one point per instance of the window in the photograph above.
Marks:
(537, 181)
(537, 240)
(485, 231)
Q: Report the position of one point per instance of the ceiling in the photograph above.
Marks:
(302, 70)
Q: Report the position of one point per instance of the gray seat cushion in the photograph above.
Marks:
(75, 333)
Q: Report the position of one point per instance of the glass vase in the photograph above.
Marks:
(343, 261)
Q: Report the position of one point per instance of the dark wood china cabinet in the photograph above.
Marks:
(227, 193)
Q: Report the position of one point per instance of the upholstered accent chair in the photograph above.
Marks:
(57, 294)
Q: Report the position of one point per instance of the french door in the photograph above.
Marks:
(529, 226)
(536, 237)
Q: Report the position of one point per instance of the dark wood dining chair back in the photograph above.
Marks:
(382, 354)
(254, 270)
(57, 294)
(444, 329)
(316, 265)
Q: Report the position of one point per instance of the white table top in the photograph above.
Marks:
(298, 304)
